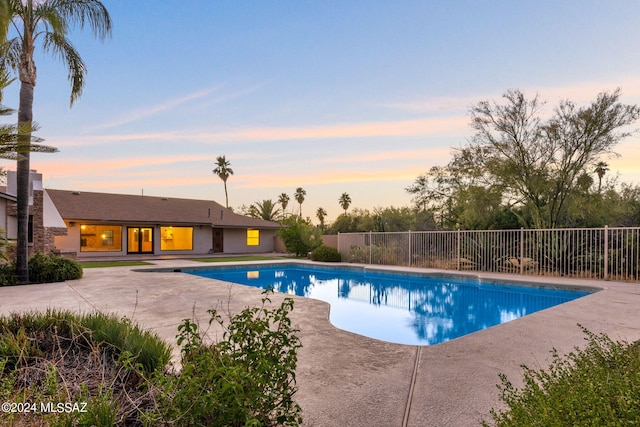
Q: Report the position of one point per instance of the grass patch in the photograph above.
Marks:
(234, 259)
(103, 264)
(97, 362)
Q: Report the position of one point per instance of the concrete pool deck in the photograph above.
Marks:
(349, 380)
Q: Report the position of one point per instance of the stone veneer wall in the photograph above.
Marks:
(43, 237)
(37, 211)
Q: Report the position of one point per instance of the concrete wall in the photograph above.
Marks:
(330, 240)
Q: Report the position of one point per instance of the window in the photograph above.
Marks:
(100, 238)
(107, 238)
(176, 238)
(30, 229)
(253, 237)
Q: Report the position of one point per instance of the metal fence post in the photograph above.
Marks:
(458, 256)
(370, 245)
(606, 252)
(521, 250)
(410, 254)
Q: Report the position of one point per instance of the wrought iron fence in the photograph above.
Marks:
(609, 253)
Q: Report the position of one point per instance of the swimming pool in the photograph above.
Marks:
(403, 309)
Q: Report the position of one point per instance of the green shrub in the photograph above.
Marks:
(43, 268)
(596, 386)
(8, 275)
(299, 236)
(46, 268)
(326, 254)
(247, 379)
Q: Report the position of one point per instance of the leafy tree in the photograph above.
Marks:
(534, 167)
(266, 210)
(223, 170)
(383, 219)
(9, 132)
(321, 214)
(49, 21)
(402, 219)
(283, 199)
(345, 201)
(343, 224)
(620, 208)
(299, 196)
(299, 236)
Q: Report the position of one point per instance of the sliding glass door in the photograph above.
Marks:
(140, 240)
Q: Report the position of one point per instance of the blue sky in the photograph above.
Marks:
(332, 96)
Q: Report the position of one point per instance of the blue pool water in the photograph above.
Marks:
(416, 310)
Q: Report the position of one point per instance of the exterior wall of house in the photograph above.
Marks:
(43, 233)
(7, 223)
(46, 223)
(11, 222)
(70, 243)
(202, 241)
(235, 241)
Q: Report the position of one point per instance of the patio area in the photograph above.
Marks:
(346, 379)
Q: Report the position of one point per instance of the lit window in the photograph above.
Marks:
(176, 238)
(107, 238)
(253, 237)
(100, 238)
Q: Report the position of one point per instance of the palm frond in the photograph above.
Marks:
(5, 18)
(61, 46)
(85, 12)
(10, 53)
(51, 20)
(17, 148)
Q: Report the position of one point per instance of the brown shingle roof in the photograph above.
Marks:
(107, 207)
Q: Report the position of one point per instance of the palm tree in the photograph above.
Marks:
(223, 171)
(266, 210)
(283, 199)
(345, 201)
(49, 21)
(9, 132)
(601, 170)
(321, 214)
(299, 196)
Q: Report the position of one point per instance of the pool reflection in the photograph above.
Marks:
(402, 309)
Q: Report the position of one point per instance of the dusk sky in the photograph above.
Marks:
(333, 96)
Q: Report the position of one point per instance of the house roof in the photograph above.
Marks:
(7, 196)
(107, 207)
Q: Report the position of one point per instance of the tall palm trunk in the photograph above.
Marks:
(25, 116)
(27, 74)
(226, 194)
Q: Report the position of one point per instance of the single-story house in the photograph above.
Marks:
(102, 224)
(90, 224)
